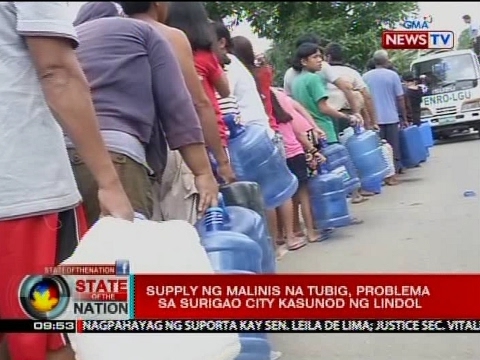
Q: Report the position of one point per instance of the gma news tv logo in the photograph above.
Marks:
(417, 40)
(422, 23)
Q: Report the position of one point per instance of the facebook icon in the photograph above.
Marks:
(122, 267)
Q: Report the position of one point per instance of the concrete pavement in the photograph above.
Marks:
(424, 224)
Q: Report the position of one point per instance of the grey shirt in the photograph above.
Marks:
(35, 172)
(137, 84)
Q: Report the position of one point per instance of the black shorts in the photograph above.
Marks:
(298, 166)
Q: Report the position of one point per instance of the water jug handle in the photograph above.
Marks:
(221, 205)
(234, 128)
(357, 129)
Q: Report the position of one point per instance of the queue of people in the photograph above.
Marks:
(122, 113)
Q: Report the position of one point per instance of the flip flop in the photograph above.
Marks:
(324, 235)
(356, 221)
(297, 245)
(366, 193)
(359, 200)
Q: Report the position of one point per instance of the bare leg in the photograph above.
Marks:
(297, 226)
(304, 199)
(286, 214)
(273, 228)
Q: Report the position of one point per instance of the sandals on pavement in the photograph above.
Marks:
(298, 244)
(359, 200)
(356, 221)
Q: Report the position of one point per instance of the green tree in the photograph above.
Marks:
(356, 25)
(464, 40)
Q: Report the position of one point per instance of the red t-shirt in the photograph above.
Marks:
(210, 70)
(265, 79)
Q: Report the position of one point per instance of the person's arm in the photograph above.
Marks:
(51, 39)
(399, 93)
(344, 86)
(202, 103)
(218, 77)
(304, 112)
(319, 93)
(178, 116)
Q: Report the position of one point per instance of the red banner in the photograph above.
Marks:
(399, 296)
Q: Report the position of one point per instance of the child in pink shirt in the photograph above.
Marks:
(298, 164)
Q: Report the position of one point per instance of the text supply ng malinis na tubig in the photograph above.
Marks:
(417, 40)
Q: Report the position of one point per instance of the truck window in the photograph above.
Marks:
(449, 73)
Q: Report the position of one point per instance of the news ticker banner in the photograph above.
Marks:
(241, 326)
(110, 292)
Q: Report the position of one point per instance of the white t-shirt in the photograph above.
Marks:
(35, 172)
(290, 75)
(336, 97)
(474, 30)
(244, 88)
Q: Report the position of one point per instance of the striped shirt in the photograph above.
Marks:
(229, 106)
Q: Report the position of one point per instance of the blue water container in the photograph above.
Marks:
(427, 134)
(254, 157)
(365, 151)
(339, 162)
(329, 200)
(255, 346)
(228, 250)
(247, 222)
(412, 147)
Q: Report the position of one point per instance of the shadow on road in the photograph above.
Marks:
(459, 138)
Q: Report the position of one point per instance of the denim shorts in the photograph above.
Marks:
(278, 141)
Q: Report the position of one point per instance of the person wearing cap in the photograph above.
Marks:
(388, 98)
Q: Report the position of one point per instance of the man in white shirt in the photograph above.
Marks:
(327, 74)
(474, 32)
(337, 98)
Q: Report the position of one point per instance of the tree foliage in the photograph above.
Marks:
(464, 41)
(356, 25)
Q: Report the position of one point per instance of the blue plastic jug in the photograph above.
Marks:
(247, 222)
(228, 250)
(365, 151)
(255, 346)
(254, 157)
(427, 134)
(411, 146)
(339, 162)
(329, 200)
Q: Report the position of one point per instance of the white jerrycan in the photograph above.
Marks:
(171, 247)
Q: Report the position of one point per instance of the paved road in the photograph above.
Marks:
(423, 225)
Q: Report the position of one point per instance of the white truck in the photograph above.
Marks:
(452, 102)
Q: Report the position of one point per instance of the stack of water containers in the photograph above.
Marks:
(412, 148)
(237, 242)
(364, 147)
(329, 200)
(427, 135)
(255, 158)
(339, 162)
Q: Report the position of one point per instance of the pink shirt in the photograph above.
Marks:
(299, 123)
(292, 145)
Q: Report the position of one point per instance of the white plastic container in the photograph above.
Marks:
(387, 153)
(171, 247)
